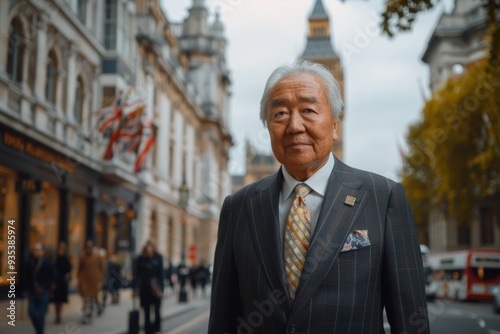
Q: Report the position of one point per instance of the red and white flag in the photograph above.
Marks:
(131, 127)
(130, 130)
(146, 145)
(110, 115)
(113, 121)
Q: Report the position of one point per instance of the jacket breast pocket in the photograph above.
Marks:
(356, 240)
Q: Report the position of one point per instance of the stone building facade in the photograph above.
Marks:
(60, 62)
(456, 43)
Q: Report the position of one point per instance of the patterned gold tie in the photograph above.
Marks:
(297, 236)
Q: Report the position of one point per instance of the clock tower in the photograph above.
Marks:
(319, 49)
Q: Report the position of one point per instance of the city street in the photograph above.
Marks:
(446, 317)
(450, 317)
(194, 321)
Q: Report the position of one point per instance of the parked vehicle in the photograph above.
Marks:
(430, 284)
(466, 275)
(496, 299)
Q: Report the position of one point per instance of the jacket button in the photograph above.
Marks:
(291, 329)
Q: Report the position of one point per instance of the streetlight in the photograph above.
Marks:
(183, 269)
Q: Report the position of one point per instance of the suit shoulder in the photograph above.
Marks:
(253, 188)
(371, 179)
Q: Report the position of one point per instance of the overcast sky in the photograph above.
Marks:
(383, 77)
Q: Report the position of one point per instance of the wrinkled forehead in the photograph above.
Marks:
(305, 78)
(304, 86)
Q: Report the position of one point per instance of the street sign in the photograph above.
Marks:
(192, 252)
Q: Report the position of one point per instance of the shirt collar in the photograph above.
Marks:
(317, 182)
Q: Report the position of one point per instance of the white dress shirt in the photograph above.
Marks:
(317, 182)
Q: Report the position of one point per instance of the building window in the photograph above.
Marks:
(76, 232)
(44, 222)
(109, 95)
(319, 31)
(170, 238)
(51, 78)
(81, 10)
(126, 48)
(171, 157)
(464, 234)
(101, 230)
(93, 17)
(487, 226)
(16, 52)
(78, 103)
(110, 22)
(184, 165)
(111, 234)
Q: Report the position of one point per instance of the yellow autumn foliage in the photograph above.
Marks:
(454, 150)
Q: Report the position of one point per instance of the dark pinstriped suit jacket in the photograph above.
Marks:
(339, 292)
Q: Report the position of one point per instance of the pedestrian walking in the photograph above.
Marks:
(203, 276)
(103, 294)
(171, 276)
(63, 268)
(149, 285)
(193, 279)
(40, 276)
(90, 275)
(112, 282)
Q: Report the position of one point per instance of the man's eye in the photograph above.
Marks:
(309, 111)
(279, 114)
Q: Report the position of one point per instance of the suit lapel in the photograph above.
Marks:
(264, 226)
(335, 222)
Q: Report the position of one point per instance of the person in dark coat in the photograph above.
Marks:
(193, 278)
(203, 276)
(149, 284)
(112, 281)
(40, 276)
(63, 269)
(171, 275)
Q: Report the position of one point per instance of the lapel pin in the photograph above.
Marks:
(350, 200)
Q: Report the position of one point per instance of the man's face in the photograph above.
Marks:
(301, 124)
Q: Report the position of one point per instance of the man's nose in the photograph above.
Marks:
(295, 123)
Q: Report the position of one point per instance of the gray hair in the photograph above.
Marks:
(303, 66)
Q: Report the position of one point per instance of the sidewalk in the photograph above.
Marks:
(114, 320)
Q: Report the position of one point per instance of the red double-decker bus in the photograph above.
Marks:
(466, 275)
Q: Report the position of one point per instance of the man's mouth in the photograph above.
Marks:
(297, 144)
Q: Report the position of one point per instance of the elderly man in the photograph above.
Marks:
(317, 247)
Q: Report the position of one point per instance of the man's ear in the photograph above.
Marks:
(335, 135)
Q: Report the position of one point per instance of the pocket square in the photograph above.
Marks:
(356, 240)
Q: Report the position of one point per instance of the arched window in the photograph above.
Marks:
(16, 52)
(51, 78)
(78, 104)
